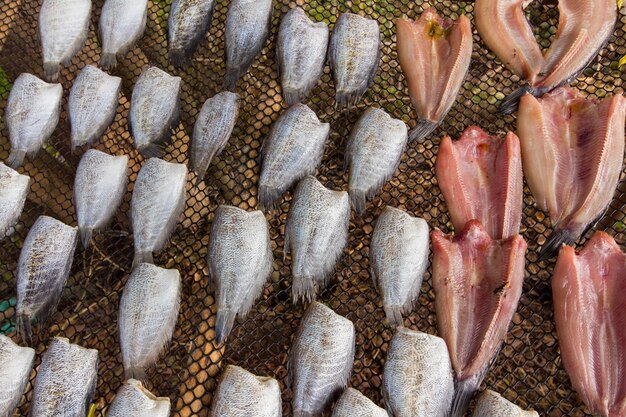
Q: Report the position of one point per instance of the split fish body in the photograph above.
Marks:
(188, 24)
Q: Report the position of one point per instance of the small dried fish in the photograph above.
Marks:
(188, 24)
(492, 404)
(133, 400)
(122, 24)
(352, 403)
(16, 363)
(13, 191)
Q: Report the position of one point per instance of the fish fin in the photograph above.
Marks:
(23, 328)
(136, 372)
(293, 96)
(358, 198)
(555, 241)
(463, 393)
(231, 78)
(224, 324)
(268, 197)
(302, 288)
(153, 150)
(85, 236)
(394, 315)
(422, 129)
(51, 71)
(16, 158)
(108, 60)
(178, 57)
(348, 99)
(142, 257)
(286, 245)
(511, 102)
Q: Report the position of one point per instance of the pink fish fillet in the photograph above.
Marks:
(589, 291)
(478, 283)
(480, 177)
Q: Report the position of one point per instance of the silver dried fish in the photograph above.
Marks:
(16, 363)
(352, 403)
(492, 404)
(133, 400)
(122, 24)
(188, 24)
(13, 191)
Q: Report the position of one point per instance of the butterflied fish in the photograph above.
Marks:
(157, 203)
(188, 24)
(588, 290)
(301, 53)
(122, 24)
(480, 177)
(352, 403)
(353, 56)
(417, 379)
(42, 270)
(478, 283)
(154, 110)
(316, 233)
(572, 152)
(247, 28)
(100, 184)
(243, 394)
(492, 404)
(16, 362)
(132, 399)
(398, 260)
(212, 130)
(373, 154)
(434, 55)
(63, 29)
(13, 191)
(320, 360)
(147, 316)
(92, 105)
(292, 150)
(240, 262)
(66, 380)
(31, 115)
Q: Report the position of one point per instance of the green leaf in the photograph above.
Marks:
(621, 62)
(619, 226)
(620, 3)
(5, 84)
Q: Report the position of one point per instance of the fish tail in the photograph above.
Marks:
(231, 78)
(16, 158)
(394, 315)
(511, 102)
(268, 197)
(422, 129)
(358, 200)
(463, 393)
(224, 324)
(292, 96)
(152, 150)
(85, 236)
(108, 60)
(178, 57)
(23, 328)
(142, 257)
(51, 71)
(555, 241)
(348, 98)
(303, 289)
(135, 372)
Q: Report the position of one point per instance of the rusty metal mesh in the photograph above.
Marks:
(528, 369)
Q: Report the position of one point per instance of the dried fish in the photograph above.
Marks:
(16, 363)
(492, 404)
(122, 24)
(132, 399)
(188, 24)
(13, 191)
(353, 403)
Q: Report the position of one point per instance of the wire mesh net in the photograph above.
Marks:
(528, 369)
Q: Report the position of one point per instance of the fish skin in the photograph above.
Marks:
(417, 378)
(212, 130)
(434, 55)
(240, 262)
(16, 363)
(492, 404)
(243, 394)
(32, 114)
(188, 23)
(572, 153)
(478, 283)
(301, 54)
(132, 399)
(92, 105)
(156, 206)
(99, 186)
(122, 24)
(373, 153)
(63, 29)
(248, 24)
(42, 271)
(13, 191)
(588, 290)
(147, 316)
(481, 178)
(324, 342)
(292, 150)
(66, 380)
(354, 44)
(353, 403)
(316, 233)
(154, 110)
(398, 261)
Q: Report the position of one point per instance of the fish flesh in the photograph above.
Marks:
(16, 363)
(481, 178)
(292, 150)
(353, 57)
(588, 290)
(154, 110)
(320, 360)
(147, 316)
(492, 404)
(240, 262)
(188, 23)
(316, 233)
(63, 29)
(478, 283)
(212, 130)
(132, 399)
(31, 115)
(42, 271)
(100, 184)
(398, 261)
(243, 394)
(248, 24)
(417, 378)
(373, 154)
(92, 105)
(353, 403)
(122, 24)
(301, 54)
(572, 153)
(156, 206)
(434, 55)
(66, 380)
(13, 191)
